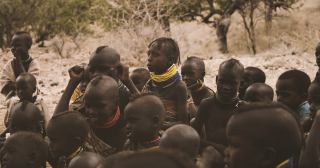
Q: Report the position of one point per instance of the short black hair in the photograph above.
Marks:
(300, 80)
(274, 106)
(143, 94)
(267, 89)
(152, 157)
(259, 75)
(144, 72)
(198, 61)
(100, 48)
(77, 123)
(26, 36)
(232, 63)
(317, 79)
(171, 47)
(34, 142)
(30, 76)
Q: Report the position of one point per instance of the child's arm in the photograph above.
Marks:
(17, 55)
(181, 93)
(10, 86)
(121, 139)
(123, 74)
(309, 157)
(76, 75)
(200, 119)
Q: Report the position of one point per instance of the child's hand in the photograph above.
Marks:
(123, 71)
(196, 85)
(17, 52)
(76, 73)
(306, 124)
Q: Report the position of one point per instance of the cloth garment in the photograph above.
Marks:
(303, 111)
(76, 93)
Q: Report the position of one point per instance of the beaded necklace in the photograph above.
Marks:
(283, 163)
(200, 88)
(122, 89)
(26, 59)
(66, 160)
(235, 98)
(111, 121)
(164, 82)
(144, 146)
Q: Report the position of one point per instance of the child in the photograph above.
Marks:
(251, 75)
(193, 70)
(67, 132)
(318, 58)
(24, 150)
(113, 160)
(106, 61)
(140, 77)
(310, 154)
(21, 63)
(215, 111)
(107, 133)
(182, 138)
(163, 55)
(292, 91)
(86, 160)
(259, 92)
(144, 115)
(26, 86)
(154, 159)
(263, 135)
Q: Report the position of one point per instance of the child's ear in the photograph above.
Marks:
(268, 157)
(116, 104)
(40, 126)
(32, 158)
(203, 74)
(155, 121)
(303, 97)
(171, 59)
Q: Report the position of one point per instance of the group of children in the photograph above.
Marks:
(156, 117)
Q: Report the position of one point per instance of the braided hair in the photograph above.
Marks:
(170, 47)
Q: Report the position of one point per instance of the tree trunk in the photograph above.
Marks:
(221, 31)
(268, 16)
(1, 37)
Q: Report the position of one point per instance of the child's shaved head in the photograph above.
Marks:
(140, 77)
(257, 74)
(156, 159)
(25, 116)
(145, 114)
(113, 160)
(86, 160)
(232, 64)
(259, 92)
(28, 77)
(269, 130)
(25, 36)
(198, 61)
(106, 85)
(24, 149)
(300, 80)
(183, 138)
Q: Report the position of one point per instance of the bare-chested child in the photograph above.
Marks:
(263, 135)
(86, 160)
(182, 138)
(105, 61)
(309, 157)
(21, 63)
(215, 112)
(251, 75)
(107, 133)
(292, 91)
(163, 55)
(318, 58)
(155, 159)
(26, 87)
(24, 150)
(259, 92)
(67, 132)
(193, 70)
(140, 77)
(145, 115)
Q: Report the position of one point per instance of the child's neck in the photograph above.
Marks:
(149, 144)
(226, 102)
(164, 70)
(71, 155)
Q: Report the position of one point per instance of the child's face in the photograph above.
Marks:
(139, 125)
(253, 96)
(138, 80)
(190, 73)
(23, 123)
(15, 153)
(98, 104)
(158, 62)
(241, 152)
(287, 94)
(101, 64)
(60, 143)
(25, 89)
(228, 83)
(19, 42)
(246, 81)
(314, 99)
